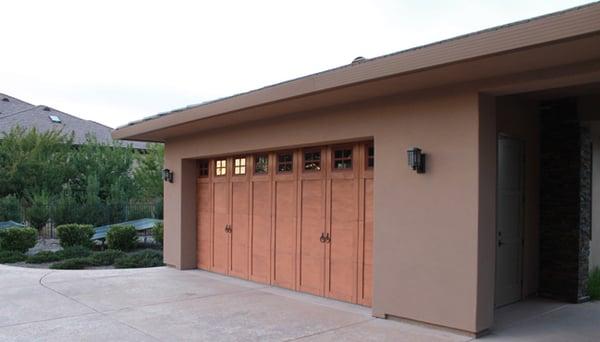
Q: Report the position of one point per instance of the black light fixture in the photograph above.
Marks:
(167, 175)
(416, 159)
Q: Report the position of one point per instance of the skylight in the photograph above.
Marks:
(55, 119)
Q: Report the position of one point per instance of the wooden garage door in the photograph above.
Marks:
(300, 219)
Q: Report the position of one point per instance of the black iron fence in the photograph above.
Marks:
(97, 214)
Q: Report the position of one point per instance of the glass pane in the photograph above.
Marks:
(343, 164)
(284, 167)
(285, 157)
(262, 165)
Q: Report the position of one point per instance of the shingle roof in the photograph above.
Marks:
(28, 116)
(10, 105)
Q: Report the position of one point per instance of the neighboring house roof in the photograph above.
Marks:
(583, 21)
(43, 118)
(10, 224)
(10, 105)
(139, 225)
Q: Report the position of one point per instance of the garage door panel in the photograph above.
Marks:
(204, 220)
(221, 219)
(311, 249)
(261, 231)
(368, 244)
(240, 229)
(344, 233)
(285, 233)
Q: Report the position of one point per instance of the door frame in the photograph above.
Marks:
(502, 135)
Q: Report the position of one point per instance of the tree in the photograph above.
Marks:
(147, 175)
(38, 212)
(34, 162)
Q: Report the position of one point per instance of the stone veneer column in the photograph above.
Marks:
(565, 207)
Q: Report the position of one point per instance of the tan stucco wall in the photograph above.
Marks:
(426, 226)
(518, 118)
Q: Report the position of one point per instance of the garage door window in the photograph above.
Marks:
(285, 162)
(203, 168)
(261, 164)
(342, 158)
(370, 156)
(221, 167)
(312, 160)
(239, 166)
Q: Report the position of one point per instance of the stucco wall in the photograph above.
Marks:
(426, 226)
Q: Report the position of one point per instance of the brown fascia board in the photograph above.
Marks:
(572, 23)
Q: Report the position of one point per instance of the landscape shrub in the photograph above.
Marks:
(10, 208)
(158, 233)
(18, 239)
(43, 257)
(594, 284)
(105, 258)
(123, 238)
(7, 257)
(144, 258)
(38, 212)
(75, 235)
(72, 264)
(74, 252)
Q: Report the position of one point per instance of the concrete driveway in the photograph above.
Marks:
(163, 304)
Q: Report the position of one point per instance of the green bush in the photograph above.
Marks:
(7, 257)
(10, 208)
(123, 238)
(106, 258)
(18, 239)
(75, 235)
(74, 252)
(72, 264)
(594, 284)
(38, 212)
(43, 257)
(158, 233)
(145, 258)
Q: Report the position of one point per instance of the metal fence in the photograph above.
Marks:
(97, 215)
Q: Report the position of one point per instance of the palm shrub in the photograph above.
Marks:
(123, 238)
(75, 235)
(18, 239)
(158, 233)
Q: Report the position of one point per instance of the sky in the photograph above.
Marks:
(119, 61)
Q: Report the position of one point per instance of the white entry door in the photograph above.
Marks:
(509, 221)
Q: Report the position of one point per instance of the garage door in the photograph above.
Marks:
(300, 219)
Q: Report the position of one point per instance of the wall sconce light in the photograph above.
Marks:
(167, 175)
(416, 159)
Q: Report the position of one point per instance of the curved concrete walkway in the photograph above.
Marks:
(163, 304)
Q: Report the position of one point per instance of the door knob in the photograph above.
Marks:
(227, 228)
(323, 239)
(327, 238)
